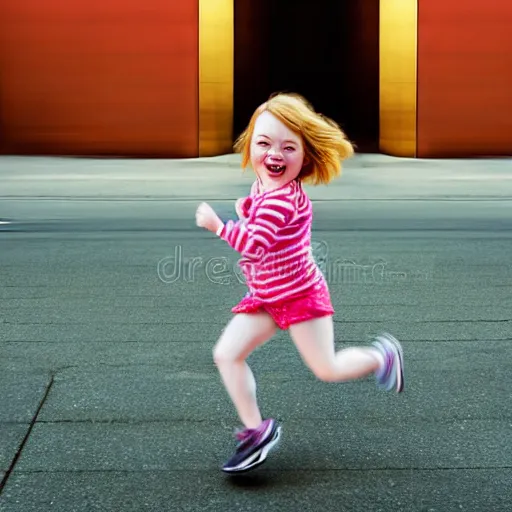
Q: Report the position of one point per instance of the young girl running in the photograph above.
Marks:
(287, 143)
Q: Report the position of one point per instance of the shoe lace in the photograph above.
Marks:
(244, 435)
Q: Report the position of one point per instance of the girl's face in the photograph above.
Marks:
(277, 153)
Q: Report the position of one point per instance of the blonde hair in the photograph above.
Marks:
(325, 143)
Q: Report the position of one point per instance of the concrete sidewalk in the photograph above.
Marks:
(367, 176)
(109, 398)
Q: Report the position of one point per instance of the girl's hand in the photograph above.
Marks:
(207, 218)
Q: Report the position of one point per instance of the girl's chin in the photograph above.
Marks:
(274, 179)
(275, 176)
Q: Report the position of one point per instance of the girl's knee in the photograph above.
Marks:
(218, 355)
(325, 373)
(241, 337)
(222, 355)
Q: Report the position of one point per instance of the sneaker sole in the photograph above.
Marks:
(401, 384)
(257, 458)
(399, 368)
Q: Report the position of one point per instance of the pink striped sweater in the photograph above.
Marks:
(274, 241)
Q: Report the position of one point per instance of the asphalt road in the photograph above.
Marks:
(111, 300)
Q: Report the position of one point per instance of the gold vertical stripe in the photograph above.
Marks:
(398, 77)
(216, 47)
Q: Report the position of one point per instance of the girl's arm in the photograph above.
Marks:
(243, 205)
(254, 236)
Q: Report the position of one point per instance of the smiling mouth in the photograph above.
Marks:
(275, 170)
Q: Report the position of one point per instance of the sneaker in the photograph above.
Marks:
(253, 447)
(392, 374)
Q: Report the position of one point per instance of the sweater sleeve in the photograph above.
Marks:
(246, 204)
(254, 236)
(254, 189)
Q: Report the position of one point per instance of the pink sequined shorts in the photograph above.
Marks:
(316, 303)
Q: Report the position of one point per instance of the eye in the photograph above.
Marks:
(262, 143)
(289, 148)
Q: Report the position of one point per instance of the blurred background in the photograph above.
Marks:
(180, 78)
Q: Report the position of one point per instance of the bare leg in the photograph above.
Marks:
(314, 340)
(242, 335)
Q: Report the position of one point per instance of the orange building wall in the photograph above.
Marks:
(99, 77)
(464, 78)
